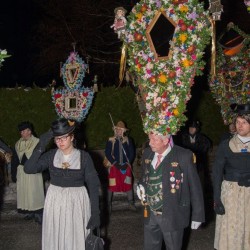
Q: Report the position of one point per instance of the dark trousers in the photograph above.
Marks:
(154, 234)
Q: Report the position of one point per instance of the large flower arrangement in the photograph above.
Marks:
(73, 72)
(232, 82)
(3, 55)
(83, 99)
(166, 84)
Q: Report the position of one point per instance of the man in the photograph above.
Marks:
(231, 182)
(30, 189)
(120, 152)
(199, 144)
(169, 187)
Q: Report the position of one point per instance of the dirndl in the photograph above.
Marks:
(232, 231)
(65, 218)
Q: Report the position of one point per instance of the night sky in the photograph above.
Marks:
(18, 22)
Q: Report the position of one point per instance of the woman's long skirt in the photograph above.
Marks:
(65, 218)
(232, 230)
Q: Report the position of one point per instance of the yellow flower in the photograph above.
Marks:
(162, 78)
(138, 68)
(186, 63)
(183, 37)
(139, 15)
(183, 8)
(176, 112)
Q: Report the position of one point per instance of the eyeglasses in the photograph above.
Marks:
(61, 139)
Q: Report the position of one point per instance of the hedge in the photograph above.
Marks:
(35, 104)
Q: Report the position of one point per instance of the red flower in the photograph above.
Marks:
(57, 96)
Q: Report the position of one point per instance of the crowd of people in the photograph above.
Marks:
(171, 187)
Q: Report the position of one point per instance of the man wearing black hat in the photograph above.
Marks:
(199, 144)
(231, 182)
(30, 188)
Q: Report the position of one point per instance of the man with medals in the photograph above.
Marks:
(231, 182)
(168, 188)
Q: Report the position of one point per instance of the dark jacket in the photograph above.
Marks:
(229, 166)
(67, 177)
(177, 206)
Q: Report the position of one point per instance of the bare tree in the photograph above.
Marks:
(84, 22)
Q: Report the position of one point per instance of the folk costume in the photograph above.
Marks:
(231, 181)
(30, 188)
(70, 210)
(171, 189)
(120, 152)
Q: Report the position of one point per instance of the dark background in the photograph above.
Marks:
(39, 34)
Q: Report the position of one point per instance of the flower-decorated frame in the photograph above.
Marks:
(73, 71)
(166, 84)
(231, 83)
(74, 101)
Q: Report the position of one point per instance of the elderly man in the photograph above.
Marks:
(168, 188)
(231, 181)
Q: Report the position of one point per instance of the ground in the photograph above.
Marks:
(124, 230)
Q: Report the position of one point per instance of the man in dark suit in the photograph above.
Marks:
(169, 187)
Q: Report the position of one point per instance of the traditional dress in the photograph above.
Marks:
(232, 162)
(67, 207)
(30, 188)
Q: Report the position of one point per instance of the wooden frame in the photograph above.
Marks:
(148, 36)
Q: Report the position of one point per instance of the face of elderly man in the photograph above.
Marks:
(158, 143)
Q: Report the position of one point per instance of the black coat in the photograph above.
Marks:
(177, 206)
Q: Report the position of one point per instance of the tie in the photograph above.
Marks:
(158, 161)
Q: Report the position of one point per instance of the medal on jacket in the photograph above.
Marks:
(173, 190)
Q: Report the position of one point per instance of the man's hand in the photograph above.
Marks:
(195, 224)
(141, 192)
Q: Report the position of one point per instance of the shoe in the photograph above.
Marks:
(39, 218)
(29, 217)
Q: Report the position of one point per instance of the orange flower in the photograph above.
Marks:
(176, 112)
(162, 78)
(183, 38)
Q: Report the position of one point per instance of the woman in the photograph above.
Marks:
(69, 212)
(231, 182)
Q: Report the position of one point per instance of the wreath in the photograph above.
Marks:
(166, 84)
(232, 82)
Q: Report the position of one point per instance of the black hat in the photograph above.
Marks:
(241, 109)
(194, 124)
(24, 125)
(62, 127)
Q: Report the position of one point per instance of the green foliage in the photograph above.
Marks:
(122, 105)
(36, 105)
(18, 105)
(208, 113)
